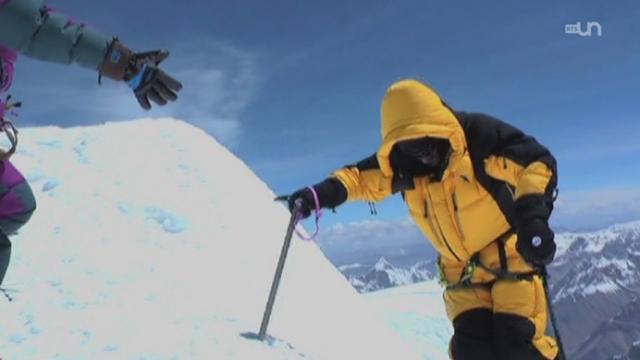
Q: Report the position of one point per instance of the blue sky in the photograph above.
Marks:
(294, 87)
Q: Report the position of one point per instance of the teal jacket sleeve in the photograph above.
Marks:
(33, 29)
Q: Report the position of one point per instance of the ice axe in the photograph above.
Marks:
(554, 321)
(293, 221)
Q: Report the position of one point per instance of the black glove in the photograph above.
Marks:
(331, 193)
(303, 201)
(535, 242)
(142, 74)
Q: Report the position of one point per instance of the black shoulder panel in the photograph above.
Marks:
(483, 134)
(370, 163)
(488, 136)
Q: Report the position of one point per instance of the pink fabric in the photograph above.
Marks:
(8, 58)
(11, 204)
(10, 177)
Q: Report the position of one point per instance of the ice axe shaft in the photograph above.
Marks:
(554, 321)
(278, 275)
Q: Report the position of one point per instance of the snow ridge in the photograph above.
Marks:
(142, 248)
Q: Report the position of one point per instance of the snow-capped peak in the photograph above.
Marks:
(383, 265)
(595, 241)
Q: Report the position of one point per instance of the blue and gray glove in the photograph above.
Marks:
(142, 73)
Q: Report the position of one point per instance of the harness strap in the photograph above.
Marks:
(502, 254)
(470, 285)
(502, 274)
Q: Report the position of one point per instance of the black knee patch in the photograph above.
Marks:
(5, 255)
(473, 336)
(513, 337)
(4, 240)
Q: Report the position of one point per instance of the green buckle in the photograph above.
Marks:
(469, 269)
(442, 280)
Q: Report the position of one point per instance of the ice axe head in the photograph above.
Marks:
(282, 198)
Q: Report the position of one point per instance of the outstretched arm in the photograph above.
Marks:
(361, 181)
(35, 30)
(364, 181)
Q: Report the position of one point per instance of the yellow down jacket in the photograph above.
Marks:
(495, 174)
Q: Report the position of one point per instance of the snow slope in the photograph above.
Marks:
(152, 241)
(416, 312)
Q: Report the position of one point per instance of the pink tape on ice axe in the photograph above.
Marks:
(318, 216)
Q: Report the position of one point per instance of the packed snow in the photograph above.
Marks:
(604, 287)
(152, 241)
(417, 313)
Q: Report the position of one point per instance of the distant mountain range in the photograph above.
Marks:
(384, 275)
(595, 289)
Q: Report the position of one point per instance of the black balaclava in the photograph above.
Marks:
(420, 157)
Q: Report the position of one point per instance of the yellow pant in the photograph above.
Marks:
(506, 320)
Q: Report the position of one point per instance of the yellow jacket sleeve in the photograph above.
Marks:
(364, 181)
(533, 178)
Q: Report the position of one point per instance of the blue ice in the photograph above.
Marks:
(50, 185)
(170, 223)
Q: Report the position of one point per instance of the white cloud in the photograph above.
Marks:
(219, 83)
(596, 209)
(366, 241)
(601, 143)
(372, 233)
(584, 210)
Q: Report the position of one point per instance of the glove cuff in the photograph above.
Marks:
(530, 207)
(116, 61)
(331, 193)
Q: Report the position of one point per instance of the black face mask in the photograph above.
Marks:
(420, 157)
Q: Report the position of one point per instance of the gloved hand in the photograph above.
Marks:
(142, 74)
(331, 193)
(535, 242)
(303, 201)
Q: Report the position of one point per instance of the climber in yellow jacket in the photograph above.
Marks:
(482, 192)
